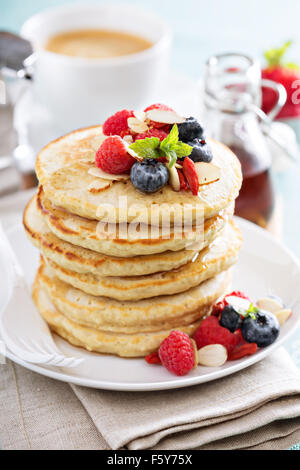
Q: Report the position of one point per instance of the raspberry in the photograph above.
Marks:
(116, 124)
(242, 350)
(161, 134)
(112, 156)
(164, 107)
(209, 322)
(190, 173)
(211, 332)
(153, 358)
(177, 353)
(183, 183)
(164, 127)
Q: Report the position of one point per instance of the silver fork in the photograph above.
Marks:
(22, 329)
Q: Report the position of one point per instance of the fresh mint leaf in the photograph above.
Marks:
(146, 148)
(171, 139)
(251, 312)
(172, 148)
(182, 149)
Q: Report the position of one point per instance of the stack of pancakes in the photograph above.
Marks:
(120, 291)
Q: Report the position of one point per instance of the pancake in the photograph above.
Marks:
(124, 345)
(86, 233)
(217, 257)
(82, 260)
(63, 168)
(148, 315)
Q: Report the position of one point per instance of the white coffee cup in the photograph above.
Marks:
(79, 91)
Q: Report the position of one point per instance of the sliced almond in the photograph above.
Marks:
(174, 178)
(207, 173)
(136, 125)
(165, 117)
(97, 141)
(132, 152)
(99, 185)
(270, 304)
(283, 315)
(140, 115)
(128, 139)
(213, 355)
(239, 304)
(89, 158)
(95, 171)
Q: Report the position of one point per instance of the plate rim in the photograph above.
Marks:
(180, 382)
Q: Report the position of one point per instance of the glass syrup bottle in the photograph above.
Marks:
(232, 97)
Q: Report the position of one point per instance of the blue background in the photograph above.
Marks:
(201, 27)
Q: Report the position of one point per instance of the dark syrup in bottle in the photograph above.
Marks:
(256, 198)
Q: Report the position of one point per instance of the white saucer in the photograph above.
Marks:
(265, 266)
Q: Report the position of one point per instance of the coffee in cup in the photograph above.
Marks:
(96, 43)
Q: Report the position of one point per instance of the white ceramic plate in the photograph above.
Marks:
(264, 267)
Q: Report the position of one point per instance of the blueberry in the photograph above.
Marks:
(149, 176)
(201, 151)
(230, 319)
(262, 330)
(190, 129)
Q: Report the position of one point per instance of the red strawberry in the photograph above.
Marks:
(211, 332)
(183, 183)
(240, 338)
(112, 156)
(286, 74)
(242, 350)
(190, 173)
(153, 358)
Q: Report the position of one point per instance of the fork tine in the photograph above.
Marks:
(65, 362)
(26, 345)
(32, 346)
(43, 348)
(58, 360)
(46, 355)
(71, 363)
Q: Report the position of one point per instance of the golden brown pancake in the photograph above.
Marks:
(154, 314)
(217, 257)
(63, 169)
(83, 260)
(124, 345)
(126, 243)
